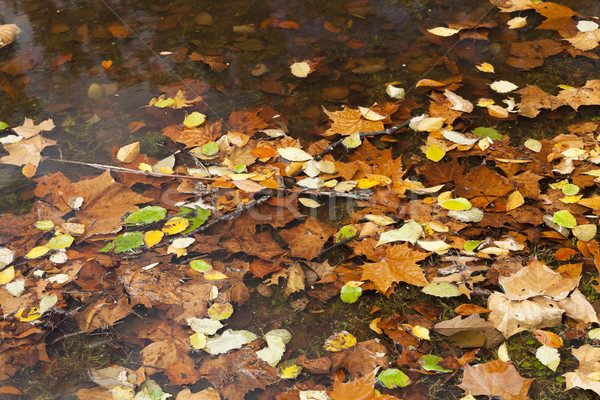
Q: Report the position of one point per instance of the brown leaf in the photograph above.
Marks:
(349, 121)
(307, 240)
(238, 372)
(164, 353)
(585, 376)
(215, 63)
(361, 359)
(26, 151)
(398, 265)
(495, 378)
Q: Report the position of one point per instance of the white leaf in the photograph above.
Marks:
(441, 31)
(458, 103)
(6, 256)
(207, 326)
(300, 69)
(548, 356)
(587, 26)
(458, 138)
(409, 232)
(294, 154)
(395, 92)
(503, 86)
(16, 287)
(229, 340)
(311, 183)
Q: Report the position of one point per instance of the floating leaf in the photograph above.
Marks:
(229, 340)
(517, 22)
(411, 231)
(442, 289)
(128, 153)
(310, 203)
(444, 32)
(128, 241)
(290, 372)
(153, 237)
(487, 132)
(301, 69)
(220, 311)
(430, 362)
(458, 204)
(146, 215)
(434, 153)
(533, 145)
(7, 275)
(352, 141)
(194, 119)
(393, 377)
(503, 86)
(27, 314)
(198, 340)
(346, 232)
(564, 218)
(205, 325)
(60, 242)
(485, 67)
(213, 274)
(200, 265)
(349, 294)
(175, 225)
(339, 341)
(37, 252)
(294, 154)
(44, 225)
(210, 149)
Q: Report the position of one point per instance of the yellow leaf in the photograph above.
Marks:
(339, 341)
(497, 111)
(194, 119)
(213, 274)
(571, 199)
(441, 31)
(430, 124)
(485, 67)
(7, 275)
(517, 22)
(290, 372)
(366, 183)
(514, 200)
(459, 203)
(434, 153)
(483, 102)
(421, 332)
(145, 167)
(152, 237)
(175, 225)
(198, 340)
(374, 327)
(27, 314)
(380, 220)
(384, 180)
(352, 141)
(37, 252)
(177, 251)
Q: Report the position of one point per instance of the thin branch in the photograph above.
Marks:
(388, 131)
(131, 171)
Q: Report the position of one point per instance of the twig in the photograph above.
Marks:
(388, 131)
(131, 171)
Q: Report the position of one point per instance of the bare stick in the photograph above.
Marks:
(131, 171)
(388, 131)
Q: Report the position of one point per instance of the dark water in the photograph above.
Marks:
(365, 44)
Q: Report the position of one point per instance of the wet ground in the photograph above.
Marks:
(92, 66)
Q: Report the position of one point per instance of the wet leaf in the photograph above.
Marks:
(7, 275)
(503, 86)
(229, 340)
(38, 251)
(146, 215)
(434, 153)
(339, 341)
(350, 294)
(60, 242)
(430, 362)
(442, 31)
(495, 378)
(393, 377)
(294, 154)
(487, 132)
(175, 225)
(564, 218)
(290, 372)
(128, 153)
(485, 67)
(220, 311)
(200, 265)
(152, 238)
(194, 119)
(442, 289)
(128, 241)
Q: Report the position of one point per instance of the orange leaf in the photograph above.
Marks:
(331, 27)
(29, 170)
(134, 126)
(60, 59)
(107, 64)
(548, 338)
(564, 254)
(468, 309)
(264, 152)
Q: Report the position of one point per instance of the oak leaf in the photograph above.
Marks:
(495, 378)
(398, 265)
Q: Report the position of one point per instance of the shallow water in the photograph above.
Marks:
(59, 55)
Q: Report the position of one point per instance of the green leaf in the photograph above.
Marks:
(350, 294)
(210, 148)
(346, 232)
(471, 245)
(458, 204)
(3, 125)
(44, 225)
(594, 334)
(107, 248)
(146, 215)
(564, 218)
(200, 265)
(238, 169)
(200, 218)
(393, 377)
(569, 189)
(128, 241)
(430, 362)
(185, 211)
(487, 132)
(60, 242)
(441, 289)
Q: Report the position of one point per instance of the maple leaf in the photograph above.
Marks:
(558, 17)
(358, 389)
(585, 376)
(164, 353)
(215, 63)
(26, 151)
(238, 372)
(495, 378)
(349, 121)
(307, 240)
(398, 265)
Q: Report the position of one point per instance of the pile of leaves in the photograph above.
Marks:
(242, 200)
